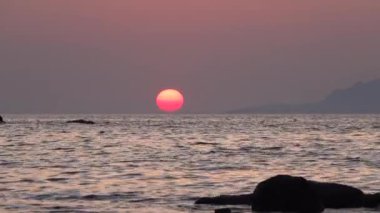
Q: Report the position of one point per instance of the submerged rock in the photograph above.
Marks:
(289, 193)
(81, 121)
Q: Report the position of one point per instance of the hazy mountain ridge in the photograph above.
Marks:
(360, 98)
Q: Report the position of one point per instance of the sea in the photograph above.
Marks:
(164, 162)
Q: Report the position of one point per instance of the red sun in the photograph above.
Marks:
(169, 100)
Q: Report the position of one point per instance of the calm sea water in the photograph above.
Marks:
(162, 163)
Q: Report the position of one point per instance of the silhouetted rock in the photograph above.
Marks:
(360, 98)
(371, 200)
(289, 193)
(81, 121)
(286, 193)
(245, 199)
(1, 120)
(226, 210)
(336, 196)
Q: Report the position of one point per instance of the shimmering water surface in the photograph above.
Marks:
(162, 163)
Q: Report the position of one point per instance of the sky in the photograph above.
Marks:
(114, 56)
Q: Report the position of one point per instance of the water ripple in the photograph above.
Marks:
(162, 163)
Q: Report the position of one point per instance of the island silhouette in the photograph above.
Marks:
(359, 98)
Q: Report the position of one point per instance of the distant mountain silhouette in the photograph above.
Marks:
(360, 98)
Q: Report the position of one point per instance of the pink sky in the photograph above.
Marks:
(114, 56)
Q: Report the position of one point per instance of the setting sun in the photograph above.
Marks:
(169, 100)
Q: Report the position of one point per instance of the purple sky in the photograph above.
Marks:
(72, 56)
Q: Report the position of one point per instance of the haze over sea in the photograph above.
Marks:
(162, 163)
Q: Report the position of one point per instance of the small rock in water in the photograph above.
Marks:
(80, 121)
(1, 120)
(225, 210)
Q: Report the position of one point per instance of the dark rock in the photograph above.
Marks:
(81, 121)
(225, 210)
(1, 120)
(245, 199)
(371, 200)
(337, 196)
(288, 193)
